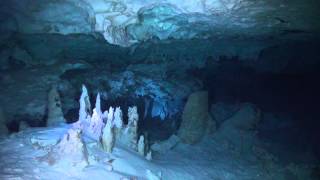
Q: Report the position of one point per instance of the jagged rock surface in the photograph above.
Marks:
(125, 22)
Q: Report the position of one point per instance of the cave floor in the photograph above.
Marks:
(20, 158)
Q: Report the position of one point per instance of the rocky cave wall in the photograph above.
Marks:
(153, 54)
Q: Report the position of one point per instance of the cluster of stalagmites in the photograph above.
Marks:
(107, 128)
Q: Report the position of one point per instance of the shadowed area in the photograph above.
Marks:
(159, 89)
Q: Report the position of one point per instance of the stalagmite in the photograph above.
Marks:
(149, 156)
(96, 122)
(85, 106)
(141, 146)
(118, 118)
(55, 115)
(131, 131)
(108, 133)
(105, 115)
(98, 105)
(96, 125)
(110, 116)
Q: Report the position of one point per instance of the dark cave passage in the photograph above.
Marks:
(159, 90)
(289, 102)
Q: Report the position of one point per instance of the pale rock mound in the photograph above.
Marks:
(69, 152)
(194, 118)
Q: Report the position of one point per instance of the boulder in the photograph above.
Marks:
(165, 146)
(245, 119)
(240, 129)
(194, 118)
(221, 111)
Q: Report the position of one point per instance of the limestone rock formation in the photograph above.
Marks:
(108, 137)
(141, 146)
(69, 152)
(118, 118)
(55, 114)
(127, 135)
(194, 118)
(118, 124)
(50, 16)
(98, 104)
(85, 106)
(127, 22)
(131, 130)
(149, 156)
(108, 127)
(96, 123)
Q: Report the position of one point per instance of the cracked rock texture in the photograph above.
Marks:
(124, 22)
